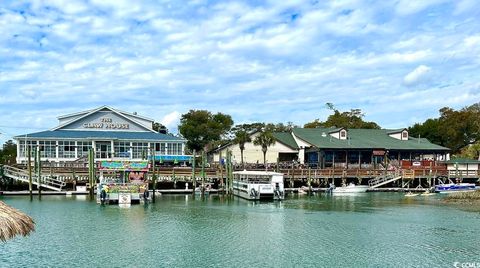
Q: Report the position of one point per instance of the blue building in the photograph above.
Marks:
(113, 135)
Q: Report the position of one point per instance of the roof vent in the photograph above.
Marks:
(134, 113)
(324, 134)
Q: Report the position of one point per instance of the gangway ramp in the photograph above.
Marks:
(46, 181)
(377, 182)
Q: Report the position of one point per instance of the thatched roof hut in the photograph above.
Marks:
(14, 222)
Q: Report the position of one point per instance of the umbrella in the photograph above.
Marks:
(13, 222)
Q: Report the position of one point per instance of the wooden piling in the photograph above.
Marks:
(221, 171)
(154, 176)
(29, 163)
(39, 175)
(194, 180)
(91, 173)
(203, 172)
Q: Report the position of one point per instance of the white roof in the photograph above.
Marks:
(255, 172)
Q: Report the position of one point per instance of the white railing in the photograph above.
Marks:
(45, 180)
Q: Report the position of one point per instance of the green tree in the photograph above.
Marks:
(8, 152)
(160, 128)
(430, 129)
(314, 124)
(265, 139)
(348, 119)
(201, 127)
(459, 128)
(455, 129)
(241, 137)
(471, 151)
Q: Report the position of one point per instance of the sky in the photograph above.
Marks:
(258, 61)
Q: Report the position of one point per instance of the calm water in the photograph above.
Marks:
(373, 229)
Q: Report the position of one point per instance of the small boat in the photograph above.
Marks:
(428, 193)
(350, 188)
(256, 185)
(410, 194)
(302, 191)
(455, 187)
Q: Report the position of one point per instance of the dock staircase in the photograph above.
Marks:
(383, 180)
(46, 181)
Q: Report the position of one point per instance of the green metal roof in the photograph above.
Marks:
(363, 139)
(462, 161)
(286, 138)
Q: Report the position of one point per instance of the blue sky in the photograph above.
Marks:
(271, 61)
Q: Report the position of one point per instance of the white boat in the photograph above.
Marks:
(350, 188)
(302, 190)
(256, 185)
(410, 194)
(428, 193)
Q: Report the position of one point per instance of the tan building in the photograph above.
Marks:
(285, 149)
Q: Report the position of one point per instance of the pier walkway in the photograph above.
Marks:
(56, 178)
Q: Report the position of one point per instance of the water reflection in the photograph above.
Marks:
(372, 229)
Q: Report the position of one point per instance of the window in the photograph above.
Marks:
(179, 149)
(121, 149)
(343, 134)
(47, 149)
(160, 148)
(404, 135)
(82, 148)
(163, 147)
(171, 148)
(66, 149)
(23, 149)
(139, 150)
(174, 148)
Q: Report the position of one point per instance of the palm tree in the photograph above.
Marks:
(242, 137)
(265, 139)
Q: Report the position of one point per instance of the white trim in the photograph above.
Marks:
(297, 139)
(104, 106)
(97, 110)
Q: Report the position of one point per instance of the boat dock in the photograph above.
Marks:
(211, 191)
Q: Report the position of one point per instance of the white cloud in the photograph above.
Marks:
(171, 120)
(72, 66)
(408, 7)
(288, 57)
(419, 75)
(465, 6)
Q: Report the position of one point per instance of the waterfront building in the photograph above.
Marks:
(343, 148)
(284, 148)
(111, 133)
(463, 168)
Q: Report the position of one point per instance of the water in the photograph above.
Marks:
(367, 230)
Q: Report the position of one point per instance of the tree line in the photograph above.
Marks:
(458, 130)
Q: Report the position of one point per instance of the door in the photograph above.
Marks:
(103, 149)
